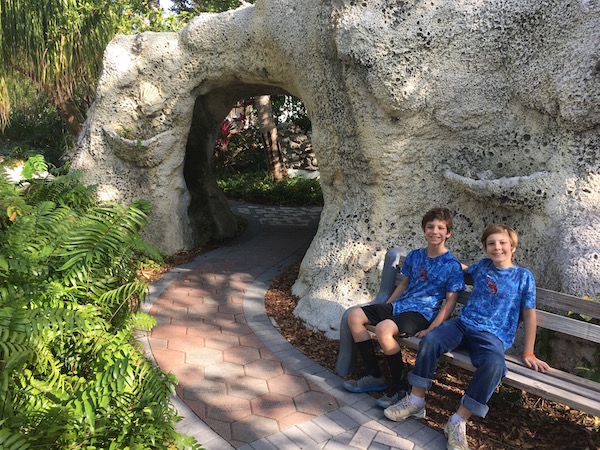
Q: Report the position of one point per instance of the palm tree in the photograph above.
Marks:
(58, 45)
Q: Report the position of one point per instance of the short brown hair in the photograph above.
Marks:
(501, 228)
(442, 214)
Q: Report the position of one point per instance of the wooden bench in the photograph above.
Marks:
(574, 391)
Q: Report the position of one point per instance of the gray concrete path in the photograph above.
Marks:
(241, 384)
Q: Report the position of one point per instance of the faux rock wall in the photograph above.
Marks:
(489, 108)
(296, 147)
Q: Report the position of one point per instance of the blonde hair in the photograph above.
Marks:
(501, 228)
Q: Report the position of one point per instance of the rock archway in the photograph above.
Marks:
(490, 108)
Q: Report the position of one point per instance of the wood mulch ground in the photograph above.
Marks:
(516, 420)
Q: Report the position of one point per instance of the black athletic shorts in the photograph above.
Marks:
(408, 323)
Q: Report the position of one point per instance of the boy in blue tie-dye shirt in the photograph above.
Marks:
(432, 275)
(502, 293)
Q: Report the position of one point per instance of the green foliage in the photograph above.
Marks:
(196, 7)
(58, 45)
(35, 126)
(290, 109)
(259, 187)
(72, 374)
(243, 154)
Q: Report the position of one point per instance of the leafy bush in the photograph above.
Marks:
(35, 126)
(244, 153)
(72, 374)
(259, 187)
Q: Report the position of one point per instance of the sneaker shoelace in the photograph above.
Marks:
(459, 433)
(402, 404)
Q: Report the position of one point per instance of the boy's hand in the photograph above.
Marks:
(533, 363)
(422, 333)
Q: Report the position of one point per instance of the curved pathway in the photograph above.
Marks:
(241, 384)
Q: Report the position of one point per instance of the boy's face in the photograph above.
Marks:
(499, 249)
(436, 232)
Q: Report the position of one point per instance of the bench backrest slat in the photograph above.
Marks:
(565, 303)
(568, 326)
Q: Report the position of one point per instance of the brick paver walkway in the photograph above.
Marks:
(241, 384)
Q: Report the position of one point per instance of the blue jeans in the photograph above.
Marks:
(486, 352)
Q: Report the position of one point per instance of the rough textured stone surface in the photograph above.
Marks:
(489, 108)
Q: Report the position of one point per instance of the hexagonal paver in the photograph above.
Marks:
(199, 408)
(219, 318)
(203, 308)
(168, 358)
(264, 369)
(221, 341)
(157, 344)
(236, 328)
(203, 329)
(241, 355)
(185, 343)
(231, 308)
(250, 340)
(315, 402)
(247, 387)
(288, 384)
(188, 319)
(274, 406)
(222, 428)
(267, 354)
(224, 371)
(206, 391)
(228, 409)
(188, 374)
(168, 331)
(204, 357)
(252, 428)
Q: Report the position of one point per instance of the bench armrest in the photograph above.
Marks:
(347, 352)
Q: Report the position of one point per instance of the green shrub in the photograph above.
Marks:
(35, 126)
(259, 187)
(72, 374)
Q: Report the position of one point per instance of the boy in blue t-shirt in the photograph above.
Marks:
(486, 326)
(432, 274)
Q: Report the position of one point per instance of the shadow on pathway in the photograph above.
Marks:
(241, 384)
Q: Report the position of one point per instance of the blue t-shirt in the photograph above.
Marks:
(498, 297)
(429, 279)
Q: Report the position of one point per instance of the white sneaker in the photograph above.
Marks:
(457, 435)
(403, 410)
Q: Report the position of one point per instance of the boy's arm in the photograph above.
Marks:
(399, 289)
(443, 314)
(529, 358)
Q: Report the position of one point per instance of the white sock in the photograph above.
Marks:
(455, 418)
(417, 400)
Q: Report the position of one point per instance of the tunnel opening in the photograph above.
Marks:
(209, 213)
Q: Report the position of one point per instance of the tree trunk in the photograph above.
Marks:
(68, 111)
(268, 133)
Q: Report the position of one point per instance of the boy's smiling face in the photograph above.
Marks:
(436, 232)
(499, 249)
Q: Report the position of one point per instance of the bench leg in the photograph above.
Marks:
(348, 350)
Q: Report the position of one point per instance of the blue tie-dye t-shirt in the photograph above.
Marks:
(429, 279)
(497, 299)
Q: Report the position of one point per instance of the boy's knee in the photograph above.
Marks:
(354, 314)
(386, 329)
(494, 366)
